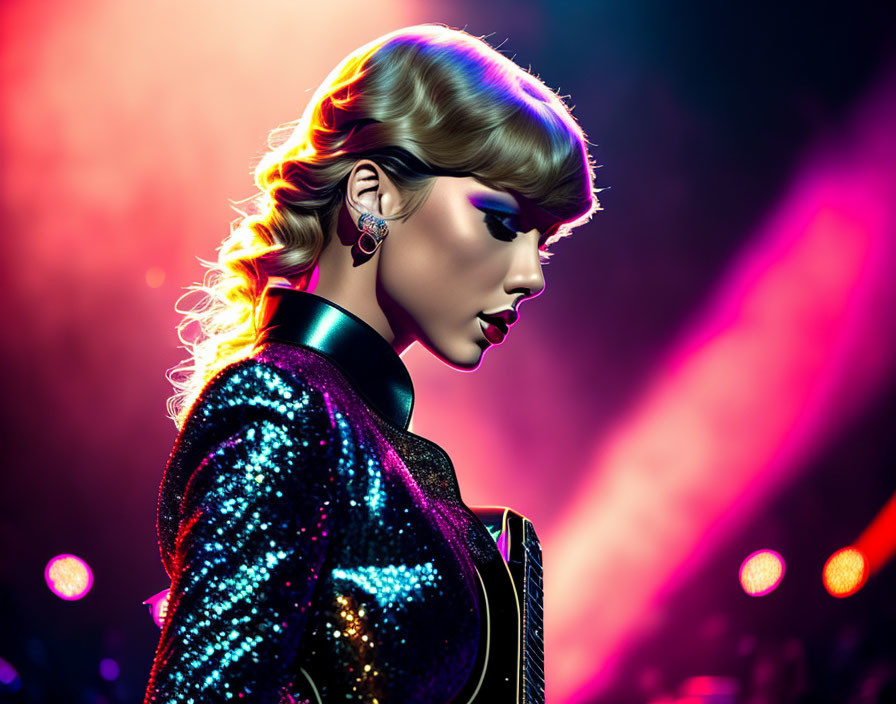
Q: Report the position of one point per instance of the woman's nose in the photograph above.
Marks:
(525, 272)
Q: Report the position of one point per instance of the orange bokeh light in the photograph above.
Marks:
(761, 572)
(155, 276)
(845, 572)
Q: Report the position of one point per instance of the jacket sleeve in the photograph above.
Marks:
(255, 523)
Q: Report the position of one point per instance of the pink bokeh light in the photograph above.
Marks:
(761, 572)
(68, 577)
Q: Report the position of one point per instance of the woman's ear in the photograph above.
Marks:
(370, 190)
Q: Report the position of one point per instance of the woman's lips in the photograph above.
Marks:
(492, 332)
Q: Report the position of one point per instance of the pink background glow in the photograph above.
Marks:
(126, 127)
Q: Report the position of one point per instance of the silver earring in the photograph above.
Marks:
(373, 232)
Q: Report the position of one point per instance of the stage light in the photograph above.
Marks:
(845, 572)
(68, 577)
(878, 541)
(788, 348)
(761, 572)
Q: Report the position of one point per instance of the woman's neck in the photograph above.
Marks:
(354, 287)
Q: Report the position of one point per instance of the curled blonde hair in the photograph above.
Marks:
(421, 102)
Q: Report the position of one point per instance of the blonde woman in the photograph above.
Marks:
(318, 550)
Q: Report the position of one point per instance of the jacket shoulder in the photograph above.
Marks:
(253, 386)
(246, 394)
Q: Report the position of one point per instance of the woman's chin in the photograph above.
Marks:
(466, 358)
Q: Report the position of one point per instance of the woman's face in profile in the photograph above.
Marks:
(454, 272)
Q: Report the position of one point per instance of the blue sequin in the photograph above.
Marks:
(317, 551)
(392, 583)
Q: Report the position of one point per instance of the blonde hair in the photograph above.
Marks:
(421, 101)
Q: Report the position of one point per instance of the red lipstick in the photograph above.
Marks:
(492, 329)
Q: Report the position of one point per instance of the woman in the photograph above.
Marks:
(318, 550)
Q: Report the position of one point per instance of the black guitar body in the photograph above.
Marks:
(512, 647)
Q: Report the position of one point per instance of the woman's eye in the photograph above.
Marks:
(501, 226)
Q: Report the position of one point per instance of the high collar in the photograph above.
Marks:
(359, 351)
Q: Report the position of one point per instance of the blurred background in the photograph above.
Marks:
(710, 373)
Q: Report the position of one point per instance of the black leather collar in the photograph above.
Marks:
(359, 351)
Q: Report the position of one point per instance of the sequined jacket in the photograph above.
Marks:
(318, 550)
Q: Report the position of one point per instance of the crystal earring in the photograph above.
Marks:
(373, 232)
